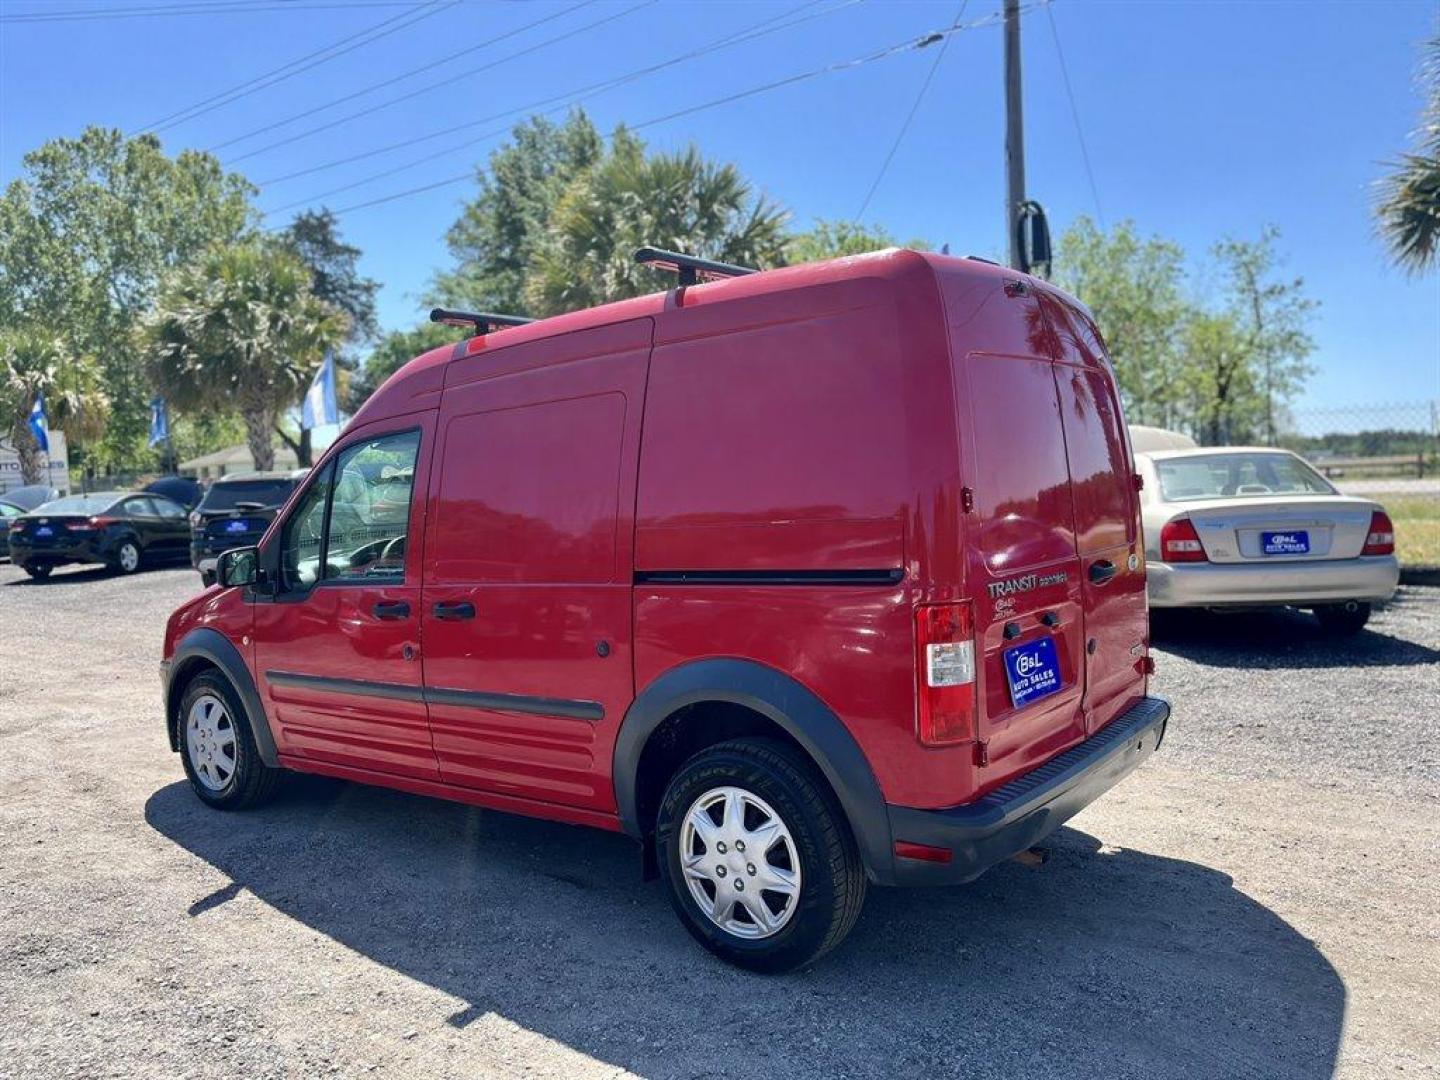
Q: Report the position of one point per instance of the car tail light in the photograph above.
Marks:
(91, 523)
(1179, 542)
(945, 654)
(1381, 539)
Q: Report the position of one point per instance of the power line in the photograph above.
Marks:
(310, 60)
(844, 65)
(420, 70)
(1075, 114)
(909, 118)
(214, 7)
(568, 99)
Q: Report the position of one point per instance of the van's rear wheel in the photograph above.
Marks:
(757, 857)
(1343, 620)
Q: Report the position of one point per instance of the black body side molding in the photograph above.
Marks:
(788, 704)
(205, 644)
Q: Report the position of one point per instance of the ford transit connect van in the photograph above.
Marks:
(808, 580)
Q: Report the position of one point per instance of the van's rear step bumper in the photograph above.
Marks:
(1029, 808)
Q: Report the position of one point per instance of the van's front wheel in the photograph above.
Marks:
(757, 857)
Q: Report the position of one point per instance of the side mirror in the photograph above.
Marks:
(237, 567)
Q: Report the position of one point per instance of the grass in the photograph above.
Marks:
(1417, 527)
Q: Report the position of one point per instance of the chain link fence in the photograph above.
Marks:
(1387, 438)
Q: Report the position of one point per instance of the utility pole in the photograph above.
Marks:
(1014, 132)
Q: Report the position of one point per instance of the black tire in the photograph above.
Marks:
(1343, 620)
(252, 782)
(832, 886)
(117, 563)
(38, 571)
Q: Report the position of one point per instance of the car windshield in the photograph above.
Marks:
(254, 492)
(79, 504)
(1227, 476)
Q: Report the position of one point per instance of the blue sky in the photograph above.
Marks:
(1202, 120)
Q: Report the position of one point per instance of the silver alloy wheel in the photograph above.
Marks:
(129, 557)
(740, 862)
(210, 742)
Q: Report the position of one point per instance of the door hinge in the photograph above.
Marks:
(967, 499)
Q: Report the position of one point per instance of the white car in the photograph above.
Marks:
(1234, 527)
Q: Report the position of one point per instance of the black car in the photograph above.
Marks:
(122, 529)
(235, 512)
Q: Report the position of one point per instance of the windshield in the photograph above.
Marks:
(1226, 476)
(267, 493)
(79, 504)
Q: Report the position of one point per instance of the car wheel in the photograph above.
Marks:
(1342, 620)
(757, 857)
(38, 571)
(218, 748)
(127, 557)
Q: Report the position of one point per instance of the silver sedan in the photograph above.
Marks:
(1255, 527)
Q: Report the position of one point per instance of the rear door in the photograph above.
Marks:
(528, 575)
(1022, 561)
(1106, 515)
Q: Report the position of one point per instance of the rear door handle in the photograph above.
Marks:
(454, 609)
(391, 609)
(1102, 571)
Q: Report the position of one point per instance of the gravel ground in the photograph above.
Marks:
(1258, 900)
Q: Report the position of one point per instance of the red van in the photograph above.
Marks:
(806, 579)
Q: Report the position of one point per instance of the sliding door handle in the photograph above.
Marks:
(391, 609)
(454, 609)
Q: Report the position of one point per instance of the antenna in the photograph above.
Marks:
(691, 268)
(483, 321)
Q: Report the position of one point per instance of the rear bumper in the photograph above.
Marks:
(1029, 808)
(1368, 578)
(84, 551)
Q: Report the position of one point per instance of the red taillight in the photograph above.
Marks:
(1179, 542)
(945, 657)
(90, 523)
(1381, 539)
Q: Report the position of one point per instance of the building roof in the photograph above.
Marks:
(238, 458)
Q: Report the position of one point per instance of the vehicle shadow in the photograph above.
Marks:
(1103, 963)
(1279, 638)
(63, 576)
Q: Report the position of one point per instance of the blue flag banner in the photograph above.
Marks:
(39, 425)
(319, 406)
(159, 421)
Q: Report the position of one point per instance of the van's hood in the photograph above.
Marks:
(1235, 530)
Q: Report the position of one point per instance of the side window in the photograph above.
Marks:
(370, 510)
(304, 537)
(168, 509)
(139, 507)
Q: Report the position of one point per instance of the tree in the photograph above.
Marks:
(1272, 316)
(680, 201)
(497, 233)
(829, 239)
(241, 330)
(1218, 381)
(35, 364)
(1134, 286)
(85, 236)
(1408, 207)
(335, 279)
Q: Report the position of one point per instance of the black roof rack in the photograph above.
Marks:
(691, 268)
(483, 321)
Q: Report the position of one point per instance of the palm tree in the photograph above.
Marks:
(241, 330)
(678, 201)
(1409, 203)
(35, 364)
